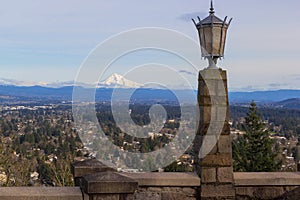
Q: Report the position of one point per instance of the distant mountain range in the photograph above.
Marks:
(113, 81)
(289, 103)
(280, 98)
(264, 96)
(102, 94)
(104, 90)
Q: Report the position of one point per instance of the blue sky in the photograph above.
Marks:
(48, 40)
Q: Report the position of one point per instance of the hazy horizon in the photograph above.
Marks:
(61, 84)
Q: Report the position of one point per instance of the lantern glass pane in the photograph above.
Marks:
(216, 40)
(208, 39)
(223, 40)
(202, 40)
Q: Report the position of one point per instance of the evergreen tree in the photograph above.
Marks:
(254, 151)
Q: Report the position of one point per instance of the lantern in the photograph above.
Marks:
(212, 33)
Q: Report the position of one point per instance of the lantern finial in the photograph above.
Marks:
(212, 10)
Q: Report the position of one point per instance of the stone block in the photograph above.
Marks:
(214, 128)
(213, 114)
(208, 175)
(205, 114)
(212, 82)
(260, 192)
(39, 193)
(154, 189)
(127, 196)
(207, 145)
(147, 195)
(216, 87)
(217, 191)
(222, 89)
(164, 179)
(172, 189)
(189, 190)
(217, 160)
(226, 128)
(105, 197)
(204, 101)
(176, 196)
(89, 166)
(244, 192)
(202, 127)
(212, 74)
(291, 193)
(112, 197)
(268, 192)
(213, 100)
(108, 183)
(219, 113)
(203, 90)
(224, 144)
(266, 178)
(225, 174)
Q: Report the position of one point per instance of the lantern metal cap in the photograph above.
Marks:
(211, 19)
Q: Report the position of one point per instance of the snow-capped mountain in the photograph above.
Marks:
(57, 84)
(116, 80)
(6, 81)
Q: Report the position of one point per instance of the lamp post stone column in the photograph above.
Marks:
(214, 160)
(212, 146)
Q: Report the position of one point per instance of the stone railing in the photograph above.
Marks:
(108, 184)
(267, 185)
(165, 185)
(101, 182)
(94, 180)
(40, 193)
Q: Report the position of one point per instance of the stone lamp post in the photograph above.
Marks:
(213, 141)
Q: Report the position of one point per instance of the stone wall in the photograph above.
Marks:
(263, 185)
(165, 193)
(40, 193)
(164, 186)
(104, 183)
(99, 182)
(186, 186)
